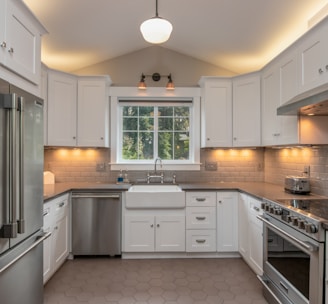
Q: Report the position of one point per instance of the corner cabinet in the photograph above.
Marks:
(78, 110)
(20, 40)
(216, 112)
(246, 117)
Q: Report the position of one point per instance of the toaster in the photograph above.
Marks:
(297, 184)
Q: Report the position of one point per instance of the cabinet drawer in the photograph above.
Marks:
(201, 217)
(201, 241)
(61, 207)
(47, 216)
(207, 199)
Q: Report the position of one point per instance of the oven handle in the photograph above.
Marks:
(304, 245)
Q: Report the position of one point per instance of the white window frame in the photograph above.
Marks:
(156, 94)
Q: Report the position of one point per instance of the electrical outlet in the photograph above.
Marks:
(211, 166)
(306, 170)
(260, 167)
(100, 167)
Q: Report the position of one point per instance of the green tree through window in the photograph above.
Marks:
(155, 131)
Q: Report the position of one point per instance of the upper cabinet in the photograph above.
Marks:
(279, 84)
(78, 110)
(62, 97)
(93, 111)
(246, 118)
(216, 112)
(313, 58)
(20, 40)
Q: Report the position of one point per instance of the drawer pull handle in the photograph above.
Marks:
(200, 218)
(200, 241)
(200, 199)
(256, 209)
(45, 213)
(61, 204)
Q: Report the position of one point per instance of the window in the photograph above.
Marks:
(148, 132)
(155, 123)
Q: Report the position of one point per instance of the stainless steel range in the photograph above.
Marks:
(294, 241)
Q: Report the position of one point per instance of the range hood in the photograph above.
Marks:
(312, 102)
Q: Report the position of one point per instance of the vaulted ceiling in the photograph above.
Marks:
(238, 35)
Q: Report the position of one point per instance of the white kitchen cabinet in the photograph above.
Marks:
(56, 247)
(277, 130)
(147, 232)
(62, 109)
(93, 111)
(313, 58)
(243, 225)
(78, 110)
(20, 40)
(216, 112)
(201, 221)
(251, 232)
(227, 221)
(246, 110)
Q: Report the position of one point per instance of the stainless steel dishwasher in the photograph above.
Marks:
(96, 223)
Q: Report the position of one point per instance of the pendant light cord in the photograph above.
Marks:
(156, 9)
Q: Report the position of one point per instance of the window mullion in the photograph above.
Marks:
(155, 132)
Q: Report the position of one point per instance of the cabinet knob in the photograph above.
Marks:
(3, 44)
(327, 67)
(151, 225)
(11, 50)
(74, 137)
(235, 138)
(157, 225)
(101, 138)
(208, 138)
(220, 202)
(320, 71)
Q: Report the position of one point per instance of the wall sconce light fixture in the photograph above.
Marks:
(155, 77)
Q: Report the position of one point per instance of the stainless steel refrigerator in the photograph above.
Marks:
(21, 196)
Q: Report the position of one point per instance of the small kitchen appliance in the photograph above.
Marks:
(297, 184)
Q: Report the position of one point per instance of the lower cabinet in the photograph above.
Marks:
(56, 247)
(251, 232)
(201, 221)
(154, 232)
(227, 221)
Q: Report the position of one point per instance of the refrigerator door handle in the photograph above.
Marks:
(9, 102)
(39, 240)
(20, 178)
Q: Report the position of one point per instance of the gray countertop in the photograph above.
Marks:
(257, 189)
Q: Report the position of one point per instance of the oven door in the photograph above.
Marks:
(293, 264)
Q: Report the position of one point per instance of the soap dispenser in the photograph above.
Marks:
(120, 177)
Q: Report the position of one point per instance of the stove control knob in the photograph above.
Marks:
(301, 224)
(271, 209)
(295, 221)
(290, 218)
(278, 211)
(267, 207)
(263, 205)
(311, 228)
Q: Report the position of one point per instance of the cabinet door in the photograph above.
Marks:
(47, 243)
(216, 111)
(243, 226)
(93, 113)
(313, 58)
(170, 233)
(255, 236)
(139, 233)
(270, 102)
(61, 232)
(62, 97)
(246, 111)
(227, 221)
(23, 43)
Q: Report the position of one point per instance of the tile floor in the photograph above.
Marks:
(160, 281)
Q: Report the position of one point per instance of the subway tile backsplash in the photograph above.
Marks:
(233, 165)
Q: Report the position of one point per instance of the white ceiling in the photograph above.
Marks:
(239, 35)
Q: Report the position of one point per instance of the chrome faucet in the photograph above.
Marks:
(160, 160)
